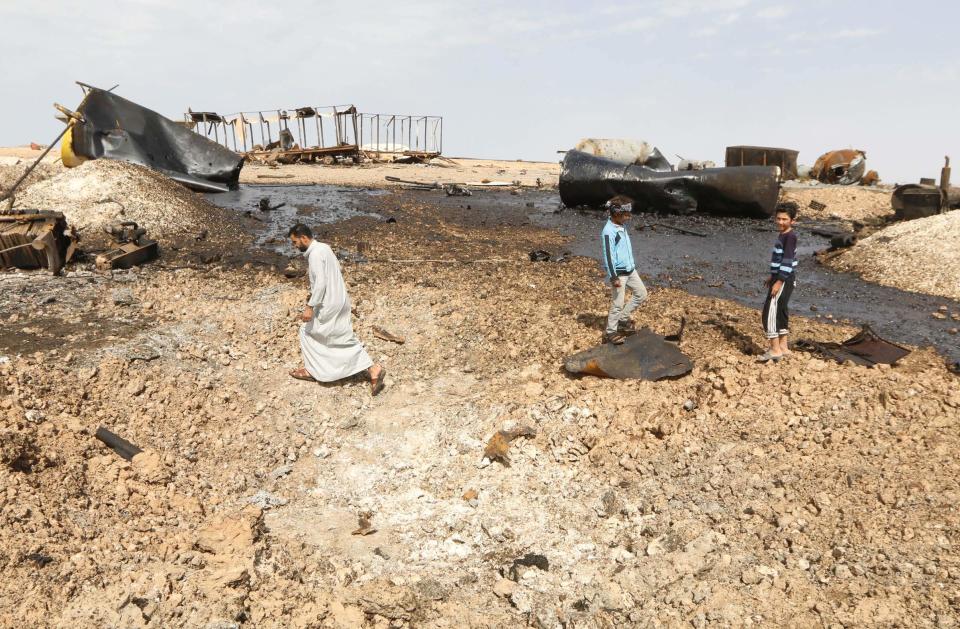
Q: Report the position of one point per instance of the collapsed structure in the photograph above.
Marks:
(328, 133)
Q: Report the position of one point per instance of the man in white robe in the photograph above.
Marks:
(331, 351)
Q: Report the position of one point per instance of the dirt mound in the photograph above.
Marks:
(13, 170)
(100, 192)
(921, 256)
(842, 202)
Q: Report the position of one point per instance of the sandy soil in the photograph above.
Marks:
(803, 494)
(457, 170)
(846, 203)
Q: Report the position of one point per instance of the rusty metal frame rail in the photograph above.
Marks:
(328, 131)
(333, 130)
(423, 134)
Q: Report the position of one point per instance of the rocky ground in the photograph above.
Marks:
(800, 494)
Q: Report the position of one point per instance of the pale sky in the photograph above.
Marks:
(520, 80)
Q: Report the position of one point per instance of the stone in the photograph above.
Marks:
(504, 588)
(122, 296)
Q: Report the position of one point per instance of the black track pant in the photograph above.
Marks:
(776, 319)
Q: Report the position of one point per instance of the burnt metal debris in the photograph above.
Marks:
(329, 133)
(786, 159)
(635, 152)
(845, 167)
(926, 198)
(131, 247)
(642, 356)
(33, 239)
(118, 444)
(112, 127)
(588, 180)
(864, 348)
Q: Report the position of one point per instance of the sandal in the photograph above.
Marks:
(765, 358)
(302, 374)
(377, 385)
(616, 338)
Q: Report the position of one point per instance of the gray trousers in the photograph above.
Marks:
(619, 312)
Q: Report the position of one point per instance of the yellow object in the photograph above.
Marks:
(70, 159)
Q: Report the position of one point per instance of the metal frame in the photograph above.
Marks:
(336, 131)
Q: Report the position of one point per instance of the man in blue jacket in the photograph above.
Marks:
(617, 256)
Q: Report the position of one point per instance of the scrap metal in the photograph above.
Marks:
(112, 127)
(786, 159)
(845, 167)
(913, 200)
(325, 133)
(864, 348)
(132, 247)
(635, 152)
(589, 180)
(33, 239)
(642, 356)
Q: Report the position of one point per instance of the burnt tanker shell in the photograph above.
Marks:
(116, 128)
(735, 191)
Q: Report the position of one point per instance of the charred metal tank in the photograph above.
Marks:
(740, 191)
(112, 127)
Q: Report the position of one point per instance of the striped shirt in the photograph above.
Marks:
(783, 263)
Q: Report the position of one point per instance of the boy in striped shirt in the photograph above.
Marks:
(783, 265)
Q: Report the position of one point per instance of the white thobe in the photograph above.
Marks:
(330, 349)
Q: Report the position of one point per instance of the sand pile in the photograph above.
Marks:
(13, 169)
(103, 191)
(921, 256)
(851, 203)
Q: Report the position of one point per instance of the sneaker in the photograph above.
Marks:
(616, 338)
(626, 326)
(767, 357)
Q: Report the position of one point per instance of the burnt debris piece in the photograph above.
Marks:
(34, 239)
(588, 180)
(786, 159)
(131, 247)
(118, 444)
(864, 348)
(643, 356)
(115, 128)
(627, 152)
(845, 167)
(919, 200)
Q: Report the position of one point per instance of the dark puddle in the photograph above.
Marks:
(730, 262)
(308, 204)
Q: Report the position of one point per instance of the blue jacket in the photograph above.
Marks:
(616, 253)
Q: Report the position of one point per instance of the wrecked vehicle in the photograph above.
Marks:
(108, 126)
(34, 239)
(845, 167)
(919, 200)
(635, 152)
(786, 159)
(589, 180)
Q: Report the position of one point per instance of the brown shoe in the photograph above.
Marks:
(626, 327)
(616, 338)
